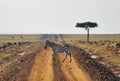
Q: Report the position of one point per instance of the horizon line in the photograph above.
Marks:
(49, 33)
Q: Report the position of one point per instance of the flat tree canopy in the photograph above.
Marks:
(86, 24)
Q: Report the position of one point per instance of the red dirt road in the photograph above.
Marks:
(47, 69)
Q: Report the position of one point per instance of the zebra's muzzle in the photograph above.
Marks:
(45, 47)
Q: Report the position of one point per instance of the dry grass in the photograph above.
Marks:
(98, 50)
(93, 37)
(16, 38)
(103, 52)
(19, 38)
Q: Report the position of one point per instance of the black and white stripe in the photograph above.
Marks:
(56, 48)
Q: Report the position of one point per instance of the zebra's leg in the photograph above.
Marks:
(70, 56)
(65, 57)
(53, 55)
(69, 53)
(53, 52)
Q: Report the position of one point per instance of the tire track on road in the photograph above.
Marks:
(71, 70)
(46, 68)
(42, 69)
(58, 74)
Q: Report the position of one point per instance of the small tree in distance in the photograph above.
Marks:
(87, 26)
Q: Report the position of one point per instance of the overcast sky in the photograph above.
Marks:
(58, 16)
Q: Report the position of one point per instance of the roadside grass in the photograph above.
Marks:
(103, 52)
(15, 38)
(93, 37)
(98, 50)
(115, 59)
(19, 38)
(2, 54)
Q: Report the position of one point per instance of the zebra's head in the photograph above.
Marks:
(47, 44)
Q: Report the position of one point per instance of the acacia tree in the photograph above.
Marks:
(87, 26)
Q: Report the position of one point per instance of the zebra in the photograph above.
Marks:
(56, 48)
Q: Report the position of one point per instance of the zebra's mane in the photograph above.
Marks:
(53, 43)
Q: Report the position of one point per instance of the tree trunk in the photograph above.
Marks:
(88, 34)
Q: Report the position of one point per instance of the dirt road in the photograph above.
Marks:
(47, 69)
(42, 69)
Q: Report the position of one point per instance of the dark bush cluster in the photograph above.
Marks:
(9, 44)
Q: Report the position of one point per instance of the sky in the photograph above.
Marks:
(58, 16)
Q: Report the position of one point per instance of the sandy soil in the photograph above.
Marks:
(42, 69)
